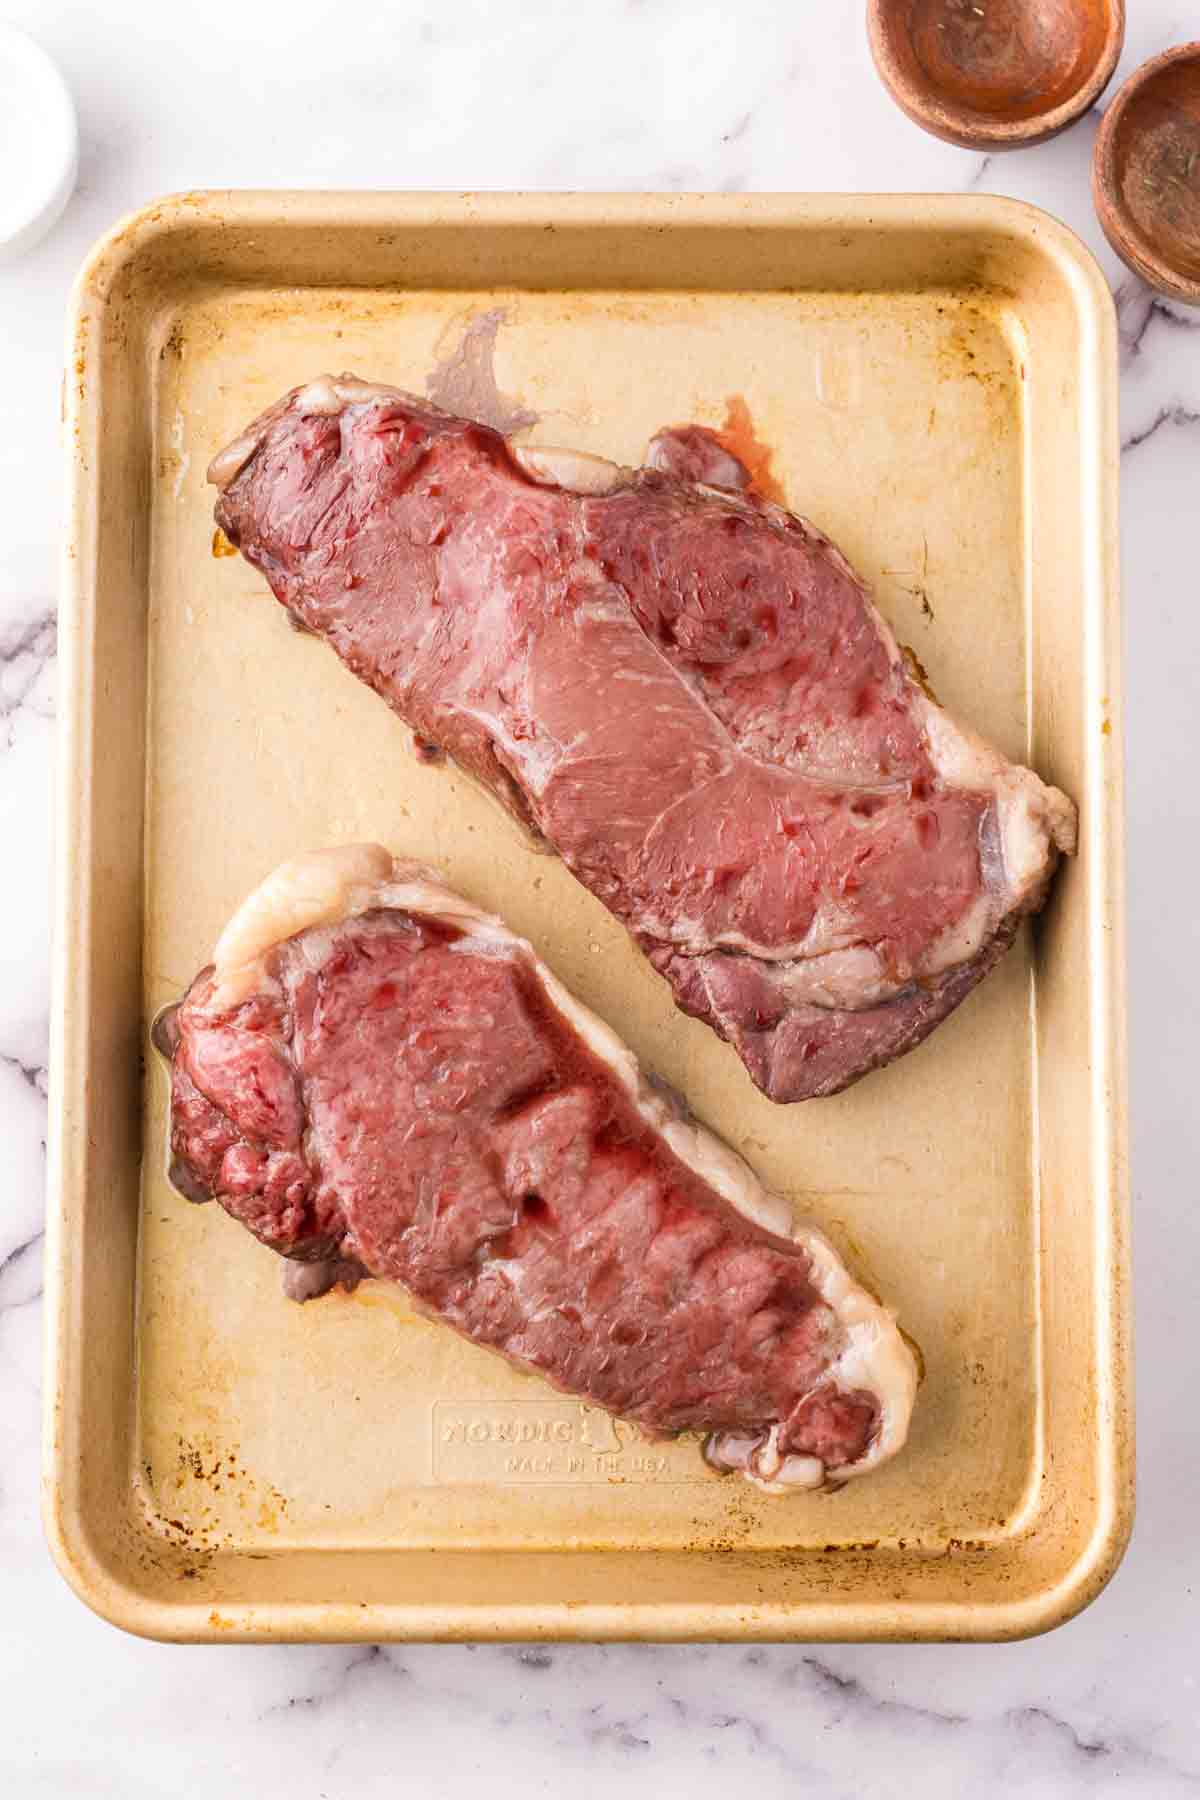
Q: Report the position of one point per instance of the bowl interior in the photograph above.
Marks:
(997, 60)
(1156, 163)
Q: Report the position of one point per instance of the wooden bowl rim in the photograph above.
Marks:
(1118, 223)
(925, 108)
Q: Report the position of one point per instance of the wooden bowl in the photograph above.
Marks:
(995, 74)
(1146, 173)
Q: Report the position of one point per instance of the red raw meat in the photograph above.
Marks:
(375, 1077)
(684, 690)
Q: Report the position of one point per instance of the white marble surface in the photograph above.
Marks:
(677, 94)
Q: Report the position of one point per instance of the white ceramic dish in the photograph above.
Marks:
(39, 143)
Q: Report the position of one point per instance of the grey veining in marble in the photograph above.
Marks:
(676, 94)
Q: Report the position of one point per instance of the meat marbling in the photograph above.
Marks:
(683, 689)
(375, 1076)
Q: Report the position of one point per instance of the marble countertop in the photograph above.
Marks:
(664, 94)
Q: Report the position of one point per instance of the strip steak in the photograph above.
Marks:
(375, 1076)
(684, 690)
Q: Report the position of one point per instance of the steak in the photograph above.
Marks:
(681, 688)
(375, 1076)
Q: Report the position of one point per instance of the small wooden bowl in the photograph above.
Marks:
(995, 74)
(1146, 173)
